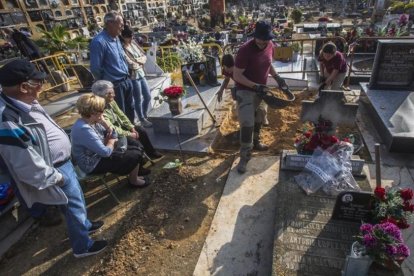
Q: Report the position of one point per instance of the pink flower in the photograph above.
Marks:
(403, 250)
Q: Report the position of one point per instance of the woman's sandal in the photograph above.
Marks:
(146, 183)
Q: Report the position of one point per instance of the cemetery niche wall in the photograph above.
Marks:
(389, 95)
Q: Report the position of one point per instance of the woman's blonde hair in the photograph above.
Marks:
(90, 104)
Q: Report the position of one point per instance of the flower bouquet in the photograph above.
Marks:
(172, 95)
(394, 206)
(173, 91)
(190, 52)
(383, 243)
(309, 140)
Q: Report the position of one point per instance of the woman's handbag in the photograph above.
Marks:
(121, 145)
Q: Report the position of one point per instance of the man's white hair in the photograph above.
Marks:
(111, 16)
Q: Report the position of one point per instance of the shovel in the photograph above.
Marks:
(201, 98)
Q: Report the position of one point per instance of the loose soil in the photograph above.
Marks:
(159, 230)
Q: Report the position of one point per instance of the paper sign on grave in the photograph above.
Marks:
(330, 105)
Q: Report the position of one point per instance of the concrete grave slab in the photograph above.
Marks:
(330, 105)
(392, 113)
(240, 238)
(191, 120)
(307, 241)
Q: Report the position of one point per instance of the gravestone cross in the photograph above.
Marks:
(330, 105)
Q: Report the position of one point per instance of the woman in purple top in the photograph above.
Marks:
(332, 67)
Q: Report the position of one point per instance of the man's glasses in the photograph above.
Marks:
(35, 83)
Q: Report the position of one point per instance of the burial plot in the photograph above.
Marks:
(329, 105)
(307, 240)
(390, 94)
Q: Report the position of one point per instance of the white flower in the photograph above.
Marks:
(190, 52)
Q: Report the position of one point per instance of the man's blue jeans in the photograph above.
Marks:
(142, 97)
(75, 211)
(124, 98)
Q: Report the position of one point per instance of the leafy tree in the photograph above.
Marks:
(58, 40)
(296, 15)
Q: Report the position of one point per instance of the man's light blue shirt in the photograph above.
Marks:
(107, 58)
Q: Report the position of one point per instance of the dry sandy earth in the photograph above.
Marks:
(159, 230)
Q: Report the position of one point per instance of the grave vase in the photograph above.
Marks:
(390, 265)
(176, 106)
(357, 263)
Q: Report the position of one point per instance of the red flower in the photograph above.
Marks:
(408, 207)
(347, 140)
(380, 193)
(308, 134)
(406, 194)
(402, 224)
(334, 139)
(173, 91)
(390, 220)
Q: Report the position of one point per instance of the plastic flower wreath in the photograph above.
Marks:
(383, 242)
(394, 206)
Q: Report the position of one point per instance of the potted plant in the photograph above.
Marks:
(394, 206)
(383, 243)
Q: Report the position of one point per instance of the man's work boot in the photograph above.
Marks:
(256, 138)
(260, 146)
(245, 155)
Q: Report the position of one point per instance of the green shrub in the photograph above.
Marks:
(169, 62)
(296, 16)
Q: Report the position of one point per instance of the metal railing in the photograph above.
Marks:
(168, 58)
(364, 41)
(61, 73)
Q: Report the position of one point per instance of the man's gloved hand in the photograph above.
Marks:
(281, 82)
(261, 89)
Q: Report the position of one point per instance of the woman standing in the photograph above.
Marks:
(136, 59)
(94, 143)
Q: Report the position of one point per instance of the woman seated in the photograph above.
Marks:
(332, 67)
(113, 115)
(94, 144)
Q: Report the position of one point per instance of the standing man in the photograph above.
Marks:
(36, 153)
(108, 62)
(252, 67)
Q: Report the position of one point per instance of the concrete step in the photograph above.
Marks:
(193, 118)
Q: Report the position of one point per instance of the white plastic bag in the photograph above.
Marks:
(330, 169)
